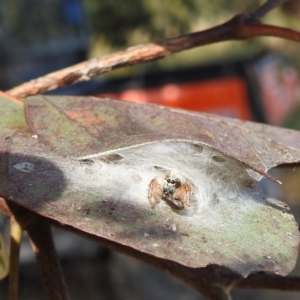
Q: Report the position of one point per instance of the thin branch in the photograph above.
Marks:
(42, 243)
(14, 99)
(40, 235)
(268, 281)
(4, 259)
(16, 234)
(239, 28)
(267, 7)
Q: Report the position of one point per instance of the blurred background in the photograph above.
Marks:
(255, 80)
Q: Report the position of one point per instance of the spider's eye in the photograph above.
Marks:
(173, 181)
(168, 180)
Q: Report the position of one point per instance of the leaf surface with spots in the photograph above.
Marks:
(88, 162)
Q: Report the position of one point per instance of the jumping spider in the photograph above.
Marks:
(172, 188)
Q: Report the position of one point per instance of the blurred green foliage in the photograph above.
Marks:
(117, 20)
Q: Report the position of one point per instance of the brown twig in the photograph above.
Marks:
(240, 27)
(42, 243)
(39, 232)
(10, 97)
(269, 281)
(16, 233)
